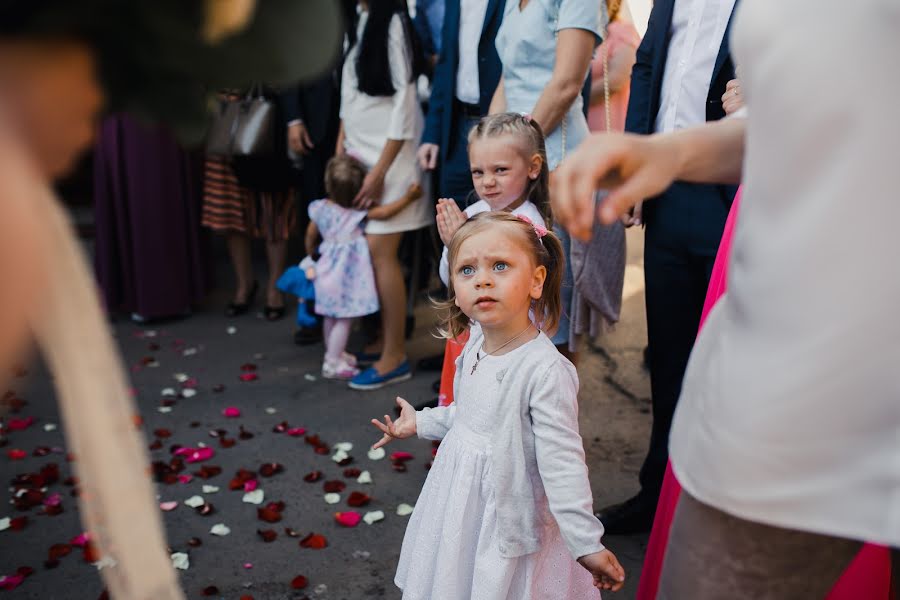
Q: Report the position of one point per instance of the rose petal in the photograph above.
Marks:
(244, 434)
(232, 412)
(16, 454)
(11, 582)
(376, 454)
(180, 560)
(373, 517)
(250, 485)
(267, 535)
(404, 509)
(205, 509)
(49, 426)
(58, 551)
(312, 477)
(332, 498)
(194, 542)
(207, 471)
(4, 523)
(268, 514)
(314, 541)
(167, 506)
(290, 532)
(399, 467)
(53, 499)
(254, 497)
(347, 519)
(345, 446)
(168, 392)
(180, 377)
(270, 469)
(210, 590)
(80, 540)
(164, 409)
(364, 477)
(299, 582)
(19, 424)
(296, 431)
(227, 442)
(248, 367)
(195, 501)
(352, 472)
(188, 392)
(231, 330)
(340, 456)
(270, 410)
(248, 376)
(210, 489)
(220, 529)
(401, 456)
(18, 523)
(185, 478)
(335, 486)
(358, 499)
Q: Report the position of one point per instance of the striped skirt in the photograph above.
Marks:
(230, 207)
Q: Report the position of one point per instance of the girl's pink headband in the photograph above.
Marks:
(539, 230)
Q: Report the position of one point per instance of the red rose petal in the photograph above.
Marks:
(314, 541)
(231, 412)
(207, 471)
(58, 551)
(244, 434)
(270, 469)
(227, 442)
(299, 582)
(348, 519)
(19, 424)
(321, 450)
(89, 553)
(248, 367)
(399, 467)
(250, 485)
(248, 377)
(218, 388)
(157, 445)
(162, 433)
(401, 456)
(53, 510)
(11, 582)
(18, 523)
(268, 514)
(80, 540)
(296, 431)
(267, 535)
(210, 590)
(358, 499)
(42, 451)
(281, 427)
(194, 542)
(16, 454)
(334, 486)
(312, 477)
(352, 472)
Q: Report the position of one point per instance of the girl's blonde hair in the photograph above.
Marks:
(531, 137)
(545, 250)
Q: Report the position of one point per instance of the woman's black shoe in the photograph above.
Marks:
(273, 313)
(235, 309)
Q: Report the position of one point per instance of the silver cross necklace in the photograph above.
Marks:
(478, 356)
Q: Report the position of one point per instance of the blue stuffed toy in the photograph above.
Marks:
(299, 282)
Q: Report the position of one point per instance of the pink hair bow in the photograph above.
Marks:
(540, 230)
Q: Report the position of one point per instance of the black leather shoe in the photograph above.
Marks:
(306, 336)
(235, 309)
(635, 515)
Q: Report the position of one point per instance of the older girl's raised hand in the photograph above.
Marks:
(403, 427)
(449, 219)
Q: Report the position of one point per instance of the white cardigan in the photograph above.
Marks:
(536, 452)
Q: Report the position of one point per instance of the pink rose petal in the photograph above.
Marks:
(11, 582)
(295, 431)
(232, 412)
(248, 376)
(348, 519)
(53, 499)
(185, 478)
(248, 565)
(193, 455)
(250, 485)
(167, 506)
(81, 540)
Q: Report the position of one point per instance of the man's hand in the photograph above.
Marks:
(371, 190)
(635, 216)
(631, 167)
(449, 219)
(604, 566)
(428, 156)
(732, 99)
(298, 138)
(403, 427)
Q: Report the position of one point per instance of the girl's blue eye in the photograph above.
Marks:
(500, 266)
(467, 270)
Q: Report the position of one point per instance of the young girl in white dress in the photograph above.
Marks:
(506, 510)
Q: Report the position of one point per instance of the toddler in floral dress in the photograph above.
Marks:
(344, 280)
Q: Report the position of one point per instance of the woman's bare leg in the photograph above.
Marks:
(392, 296)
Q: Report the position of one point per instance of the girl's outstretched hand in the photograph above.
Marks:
(604, 566)
(403, 427)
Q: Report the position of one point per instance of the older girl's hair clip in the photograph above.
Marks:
(526, 116)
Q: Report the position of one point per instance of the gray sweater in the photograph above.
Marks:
(536, 452)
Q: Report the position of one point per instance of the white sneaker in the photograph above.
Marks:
(339, 370)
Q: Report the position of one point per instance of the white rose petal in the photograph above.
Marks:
(164, 409)
(220, 529)
(364, 477)
(231, 330)
(195, 501)
(404, 509)
(106, 561)
(180, 378)
(339, 456)
(4, 523)
(169, 392)
(255, 497)
(151, 333)
(189, 392)
(309, 377)
(181, 561)
(270, 411)
(345, 446)
(189, 352)
(373, 517)
(332, 498)
(210, 489)
(376, 454)
(49, 426)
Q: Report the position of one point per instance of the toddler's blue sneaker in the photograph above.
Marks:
(370, 379)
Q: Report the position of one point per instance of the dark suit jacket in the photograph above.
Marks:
(643, 106)
(439, 121)
(316, 103)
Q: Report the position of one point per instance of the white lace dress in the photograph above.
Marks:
(450, 550)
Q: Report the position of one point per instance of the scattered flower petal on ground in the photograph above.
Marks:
(231, 412)
(188, 392)
(347, 519)
(254, 497)
(314, 541)
(210, 489)
(364, 477)
(267, 535)
(220, 529)
(167, 506)
(373, 517)
(195, 501)
(168, 392)
(358, 499)
(376, 454)
(299, 582)
(404, 509)
(50, 426)
(332, 498)
(181, 561)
